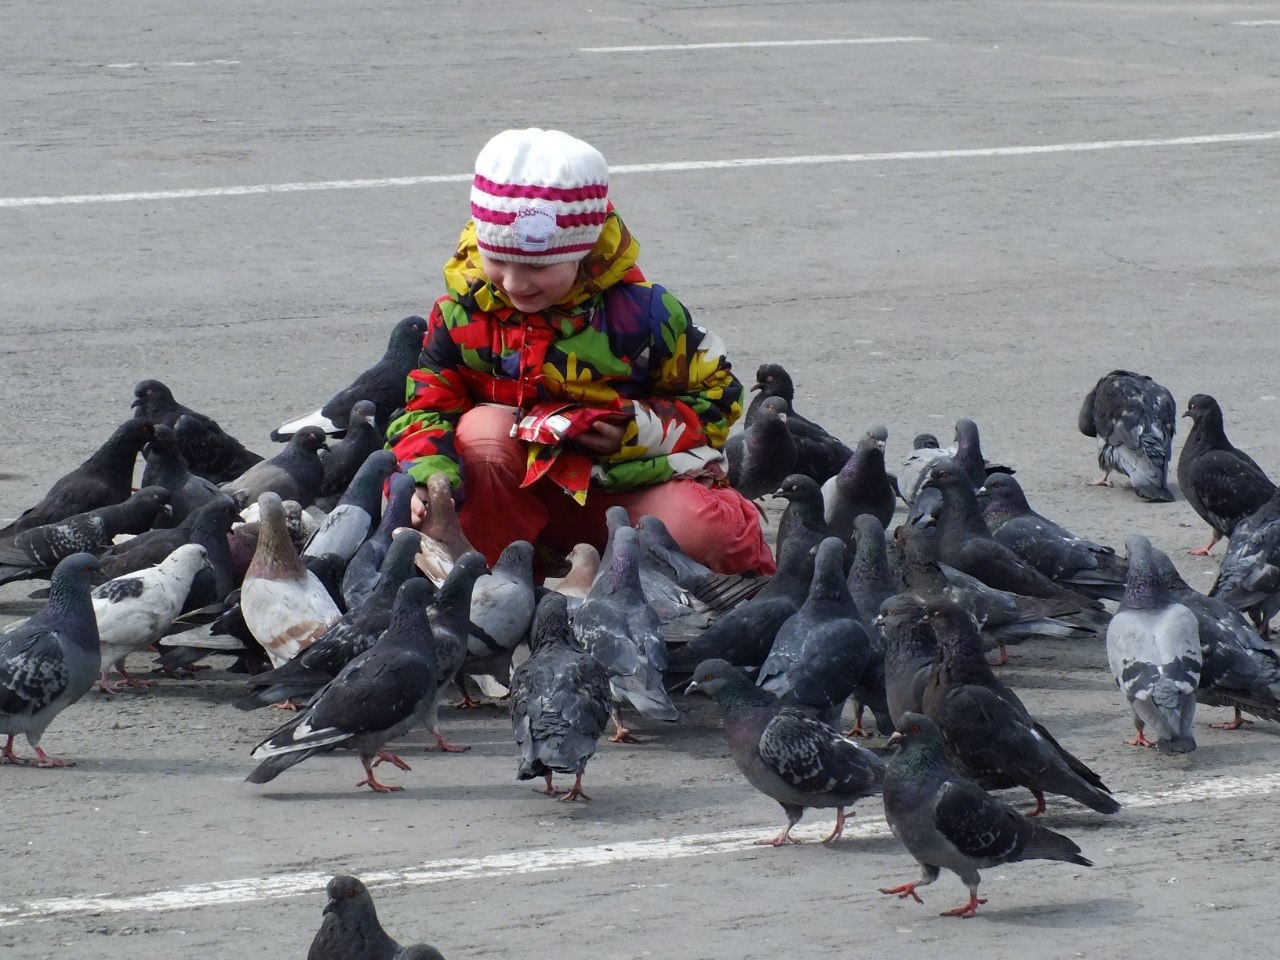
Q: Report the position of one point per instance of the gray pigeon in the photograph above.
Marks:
(349, 929)
(345, 457)
(819, 455)
(167, 467)
(947, 821)
(502, 605)
(764, 453)
(50, 661)
(450, 615)
(362, 572)
(133, 611)
(787, 754)
(821, 652)
(1239, 669)
(1223, 484)
(1249, 575)
(617, 627)
(1153, 648)
(560, 702)
(354, 519)
(382, 384)
(861, 487)
(966, 453)
(105, 478)
(910, 650)
(869, 580)
(295, 473)
(35, 552)
(803, 519)
(1082, 565)
(1133, 419)
(378, 697)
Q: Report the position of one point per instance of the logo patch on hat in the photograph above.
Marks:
(535, 227)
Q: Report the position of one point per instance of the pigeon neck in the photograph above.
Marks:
(455, 593)
(920, 752)
(69, 598)
(276, 557)
(1000, 510)
(960, 508)
(739, 695)
(960, 651)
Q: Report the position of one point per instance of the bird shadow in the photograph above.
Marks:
(1093, 912)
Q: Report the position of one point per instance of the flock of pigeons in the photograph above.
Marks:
(305, 568)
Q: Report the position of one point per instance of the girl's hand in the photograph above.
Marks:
(604, 438)
(418, 506)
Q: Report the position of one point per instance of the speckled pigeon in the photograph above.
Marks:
(1222, 483)
(349, 929)
(947, 821)
(987, 728)
(378, 697)
(1133, 419)
(383, 384)
(560, 702)
(50, 661)
(1249, 575)
(786, 754)
(1153, 648)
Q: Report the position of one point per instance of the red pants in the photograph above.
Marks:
(716, 526)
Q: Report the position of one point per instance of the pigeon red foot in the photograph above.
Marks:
(970, 909)
(904, 890)
(1235, 723)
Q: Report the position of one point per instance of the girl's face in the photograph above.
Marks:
(531, 288)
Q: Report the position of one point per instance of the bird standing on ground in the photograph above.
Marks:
(1153, 648)
(50, 661)
(1222, 483)
(763, 453)
(947, 821)
(1133, 419)
(295, 473)
(819, 455)
(861, 487)
(560, 702)
(349, 929)
(786, 754)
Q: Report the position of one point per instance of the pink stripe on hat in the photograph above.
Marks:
(539, 196)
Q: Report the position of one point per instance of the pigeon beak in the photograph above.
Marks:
(877, 621)
(1187, 414)
(138, 402)
(757, 386)
(896, 739)
(330, 907)
(693, 685)
(982, 492)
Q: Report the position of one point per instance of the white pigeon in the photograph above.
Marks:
(135, 609)
(284, 605)
(1153, 648)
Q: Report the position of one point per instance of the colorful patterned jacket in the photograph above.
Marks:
(616, 342)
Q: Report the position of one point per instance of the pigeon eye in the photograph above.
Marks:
(707, 677)
(915, 729)
(351, 893)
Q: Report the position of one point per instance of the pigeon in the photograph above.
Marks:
(819, 455)
(964, 541)
(295, 473)
(451, 624)
(1238, 669)
(786, 754)
(946, 820)
(361, 575)
(560, 702)
(1133, 419)
(966, 453)
(155, 403)
(213, 454)
(357, 514)
(134, 610)
(167, 467)
(861, 487)
(105, 478)
(344, 459)
(617, 627)
(382, 384)
(713, 592)
(910, 649)
(744, 635)
(502, 605)
(822, 651)
(1076, 563)
(584, 564)
(351, 635)
(378, 697)
(762, 455)
(349, 929)
(35, 552)
(988, 730)
(283, 603)
(803, 518)
(1153, 649)
(1223, 484)
(869, 580)
(50, 661)
(443, 541)
(1249, 575)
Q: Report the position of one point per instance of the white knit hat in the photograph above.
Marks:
(539, 196)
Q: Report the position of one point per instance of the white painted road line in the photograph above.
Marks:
(1255, 23)
(288, 885)
(146, 64)
(677, 166)
(738, 44)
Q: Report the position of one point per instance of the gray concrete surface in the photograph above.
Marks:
(909, 291)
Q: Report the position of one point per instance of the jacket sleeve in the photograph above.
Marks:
(695, 396)
(436, 397)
